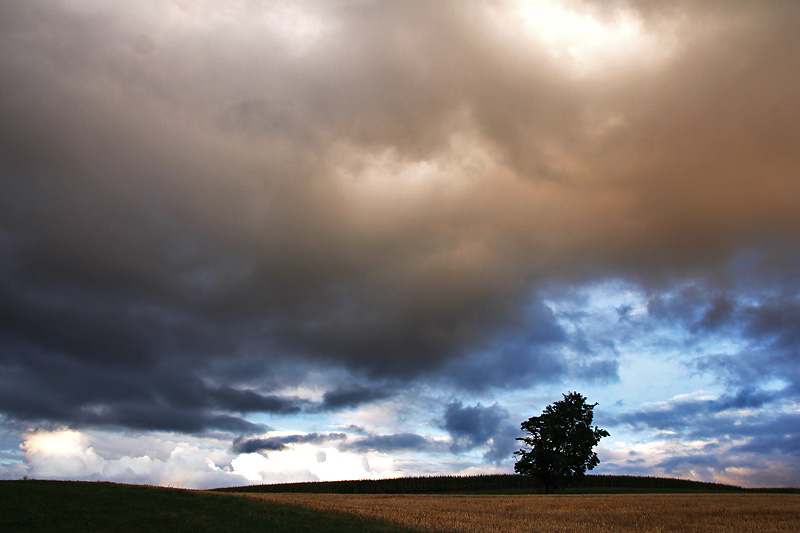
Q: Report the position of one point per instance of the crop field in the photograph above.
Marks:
(597, 512)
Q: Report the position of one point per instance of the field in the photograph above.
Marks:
(480, 503)
(620, 513)
(50, 506)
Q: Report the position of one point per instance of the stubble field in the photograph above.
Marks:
(512, 513)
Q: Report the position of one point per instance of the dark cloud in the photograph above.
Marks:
(380, 443)
(745, 423)
(249, 401)
(353, 396)
(67, 395)
(775, 436)
(383, 188)
(776, 322)
(509, 365)
(522, 355)
(769, 328)
(701, 418)
(744, 432)
(768, 457)
(677, 466)
(718, 314)
(392, 443)
(58, 388)
(272, 444)
(475, 426)
(760, 366)
(472, 426)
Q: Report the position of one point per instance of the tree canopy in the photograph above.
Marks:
(558, 447)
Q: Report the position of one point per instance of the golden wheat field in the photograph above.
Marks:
(619, 513)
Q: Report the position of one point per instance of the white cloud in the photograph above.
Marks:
(70, 454)
(307, 462)
(588, 42)
(60, 454)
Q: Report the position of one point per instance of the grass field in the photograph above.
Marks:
(46, 506)
(578, 513)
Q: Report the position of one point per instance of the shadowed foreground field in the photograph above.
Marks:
(512, 513)
(44, 506)
(89, 506)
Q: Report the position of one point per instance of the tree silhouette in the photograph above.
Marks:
(560, 443)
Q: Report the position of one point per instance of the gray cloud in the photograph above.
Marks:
(478, 426)
(371, 442)
(726, 418)
(354, 395)
(776, 436)
(376, 187)
(241, 445)
(392, 443)
(769, 328)
(744, 432)
(677, 465)
(250, 401)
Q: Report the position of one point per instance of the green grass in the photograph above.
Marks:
(44, 506)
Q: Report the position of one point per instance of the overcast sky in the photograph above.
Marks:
(247, 242)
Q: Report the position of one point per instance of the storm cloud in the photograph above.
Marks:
(279, 443)
(474, 426)
(215, 216)
(392, 443)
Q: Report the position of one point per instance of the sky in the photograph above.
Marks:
(257, 242)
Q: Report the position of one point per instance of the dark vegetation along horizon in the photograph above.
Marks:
(502, 484)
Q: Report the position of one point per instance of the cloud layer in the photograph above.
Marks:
(205, 209)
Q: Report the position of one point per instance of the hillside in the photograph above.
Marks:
(48, 506)
(45, 506)
(498, 484)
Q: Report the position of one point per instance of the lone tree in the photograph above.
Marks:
(560, 443)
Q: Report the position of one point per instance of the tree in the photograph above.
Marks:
(560, 443)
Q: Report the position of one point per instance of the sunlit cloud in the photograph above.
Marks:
(587, 40)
